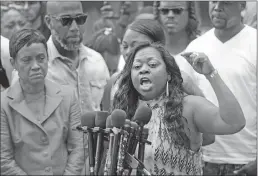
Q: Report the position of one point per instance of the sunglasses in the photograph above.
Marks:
(67, 20)
(176, 11)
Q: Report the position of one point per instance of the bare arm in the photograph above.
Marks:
(191, 88)
(229, 117)
(75, 159)
(209, 119)
(208, 139)
(8, 163)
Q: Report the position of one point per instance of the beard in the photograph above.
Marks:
(69, 46)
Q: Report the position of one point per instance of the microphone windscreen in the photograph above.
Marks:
(145, 131)
(108, 122)
(88, 119)
(134, 125)
(142, 114)
(100, 119)
(127, 122)
(118, 117)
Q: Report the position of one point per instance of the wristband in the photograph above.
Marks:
(212, 74)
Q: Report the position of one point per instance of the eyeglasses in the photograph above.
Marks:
(67, 20)
(176, 11)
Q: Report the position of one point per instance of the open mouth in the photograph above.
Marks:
(145, 81)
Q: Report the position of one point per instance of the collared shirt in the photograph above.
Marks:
(89, 78)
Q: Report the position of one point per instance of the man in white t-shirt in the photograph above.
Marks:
(231, 47)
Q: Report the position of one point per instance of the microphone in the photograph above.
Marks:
(132, 141)
(100, 124)
(88, 120)
(144, 137)
(108, 130)
(142, 117)
(123, 146)
(118, 120)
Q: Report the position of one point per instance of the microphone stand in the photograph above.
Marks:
(91, 153)
(141, 149)
(107, 166)
(89, 131)
(117, 134)
(122, 149)
(99, 143)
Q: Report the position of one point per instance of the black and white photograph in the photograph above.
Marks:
(128, 88)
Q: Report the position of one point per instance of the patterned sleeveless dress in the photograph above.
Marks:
(169, 153)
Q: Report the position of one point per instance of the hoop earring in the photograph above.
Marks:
(167, 90)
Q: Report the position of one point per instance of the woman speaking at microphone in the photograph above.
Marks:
(38, 116)
(151, 76)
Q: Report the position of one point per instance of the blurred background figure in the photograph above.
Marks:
(33, 11)
(103, 23)
(5, 65)
(179, 21)
(121, 14)
(105, 42)
(145, 13)
(11, 21)
(250, 14)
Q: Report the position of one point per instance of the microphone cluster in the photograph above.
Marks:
(113, 139)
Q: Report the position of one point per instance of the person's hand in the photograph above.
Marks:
(249, 169)
(199, 61)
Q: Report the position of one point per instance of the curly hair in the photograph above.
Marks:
(126, 98)
(193, 23)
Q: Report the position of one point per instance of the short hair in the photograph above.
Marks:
(104, 40)
(193, 23)
(149, 27)
(25, 37)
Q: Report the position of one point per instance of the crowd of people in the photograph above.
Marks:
(200, 85)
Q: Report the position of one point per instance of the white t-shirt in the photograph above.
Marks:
(235, 61)
(121, 63)
(188, 69)
(5, 58)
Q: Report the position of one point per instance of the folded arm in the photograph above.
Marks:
(8, 163)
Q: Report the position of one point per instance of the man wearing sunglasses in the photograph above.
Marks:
(179, 21)
(232, 49)
(70, 62)
(180, 24)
